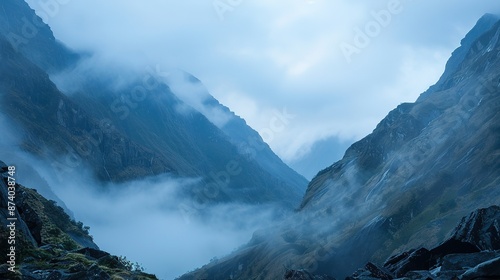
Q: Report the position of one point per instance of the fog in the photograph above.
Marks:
(260, 56)
(150, 222)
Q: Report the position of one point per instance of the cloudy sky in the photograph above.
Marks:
(337, 66)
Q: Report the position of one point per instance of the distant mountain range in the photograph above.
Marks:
(404, 186)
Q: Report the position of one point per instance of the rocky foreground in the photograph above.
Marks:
(41, 241)
(472, 252)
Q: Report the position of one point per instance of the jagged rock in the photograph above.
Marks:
(420, 259)
(481, 228)
(453, 246)
(92, 253)
(304, 275)
(486, 270)
(371, 271)
(465, 261)
(378, 272)
(451, 258)
(96, 273)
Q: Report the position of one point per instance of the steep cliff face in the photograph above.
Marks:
(404, 186)
(138, 130)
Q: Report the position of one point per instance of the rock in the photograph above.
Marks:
(111, 262)
(3, 167)
(420, 259)
(304, 275)
(378, 272)
(465, 261)
(467, 254)
(372, 271)
(96, 273)
(92, 253)
(55, 275)
(486, 270)
(453, 246)
(481, 228)
(418, 275)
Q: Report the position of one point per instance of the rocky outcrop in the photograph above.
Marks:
(481, 228)
(471, 253)
(47, 243)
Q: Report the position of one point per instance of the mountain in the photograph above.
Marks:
(404, 186)
(42, 242)
(27, 34)
(124, 133)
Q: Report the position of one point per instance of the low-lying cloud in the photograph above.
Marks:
(151, 222)
(258, 56)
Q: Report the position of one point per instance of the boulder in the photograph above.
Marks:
(466, 261)
(420, 259)
(486, 270)
(481, 228)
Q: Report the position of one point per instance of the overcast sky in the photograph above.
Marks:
(258, 57)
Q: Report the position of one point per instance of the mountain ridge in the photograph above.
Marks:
(406, 185)
(130, 132)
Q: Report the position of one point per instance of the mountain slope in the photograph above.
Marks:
(44, 243)
(405, 185)
(28, 35)
(141, 129)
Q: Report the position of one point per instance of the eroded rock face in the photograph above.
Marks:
(460, 256)
(481, 228)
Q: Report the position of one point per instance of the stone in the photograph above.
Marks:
(486, 270)
(420, 259)
(92, 253)
(304, 275)
(466, 261)
(481, 228)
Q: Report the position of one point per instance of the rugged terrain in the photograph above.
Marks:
(48, 244)
(404, 186)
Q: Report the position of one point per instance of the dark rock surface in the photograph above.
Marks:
(481, 228)
(456, 257)
(304, 275)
